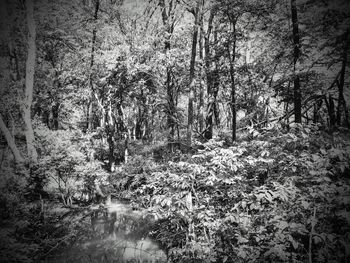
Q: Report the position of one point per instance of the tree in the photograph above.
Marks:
(11, 142)
(212, 89)
(232, 58)
(29, 82)
(6, 77)
(201, 76)
(324, 52)
(92, 60)
(296, 79)
(197, 14)
(169, 23)
(341, 82)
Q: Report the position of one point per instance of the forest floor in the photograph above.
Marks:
(273, 196)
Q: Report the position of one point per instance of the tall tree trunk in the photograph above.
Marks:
(208, 133)
(341, 100)
(103, 111)
(29, 82)
(216, 79)
(171, 123)
(201, 86)
(110, 130)
(92, 60)
(296, 43)
(10, 72)
(10, 142)
(10, 69)
(192, 74)
(232, 58)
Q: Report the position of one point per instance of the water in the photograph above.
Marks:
(118, 234)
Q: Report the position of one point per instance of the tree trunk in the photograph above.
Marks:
(232, 58)
(331, 110)
(55, 113)
(110, 130)
(11, 73)
(296, 43)
(201, 86)
(29, 82)
(317, 107)
(171, 123)
(192, 75)
(208, 133)
(10, 142)
(216, 80)
(92, 60)
(341, 100)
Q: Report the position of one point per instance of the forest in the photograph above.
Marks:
(174, 131)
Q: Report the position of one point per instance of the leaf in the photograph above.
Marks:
(313, 222)
(189, 201)
(295, 244)
(268, 197)
(282, 225)
(313, 172)
(317, 239)
(242, 254)
(234, 168)
(305, 204)
(259, 196)
(254, 206)
(305, 136)
(316, 158)
(343, 168)
(265, 153)
(242, 240)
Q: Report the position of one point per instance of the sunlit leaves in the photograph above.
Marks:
(266, 220)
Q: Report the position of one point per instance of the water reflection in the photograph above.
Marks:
(119, 234)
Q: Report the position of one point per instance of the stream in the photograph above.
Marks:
(117, 234)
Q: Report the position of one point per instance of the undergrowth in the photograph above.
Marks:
(274, 196)
(279, 197)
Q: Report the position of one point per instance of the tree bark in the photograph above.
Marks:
(317, 107)
(192, 75)
(208, 133)
(232, 58)
(29, 82)
(110, 130)
(92, 60)
(296, 43)
(341, 100)
(11, 142)
(169, 28)
(55, 114)
(331, 110)
(201, 86)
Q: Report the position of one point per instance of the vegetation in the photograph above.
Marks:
(226, 120)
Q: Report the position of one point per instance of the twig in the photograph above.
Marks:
(57, 244)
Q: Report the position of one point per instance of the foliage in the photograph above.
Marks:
(68, 164)
(255, 201)
(113, 77)
(29, 229)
